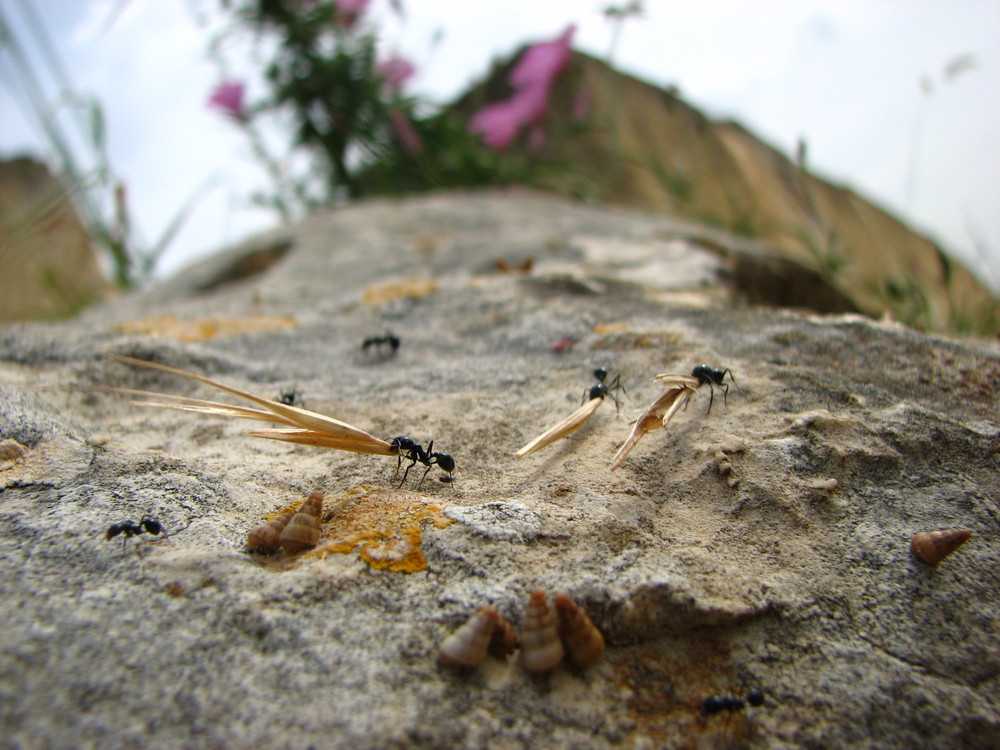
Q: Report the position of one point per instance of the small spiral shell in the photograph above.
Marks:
(583, 641)
(541, 648)
(302, 531)
(267, 535)
(504, 639)
(934, 546)
(467, 646)
(313, 504)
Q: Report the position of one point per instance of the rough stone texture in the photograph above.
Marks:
(717, 559)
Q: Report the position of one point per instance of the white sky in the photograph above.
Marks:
(843, 74)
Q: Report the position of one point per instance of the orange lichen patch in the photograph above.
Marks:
(384, 525)
(605, 328)
(206, 328)
(381, 294)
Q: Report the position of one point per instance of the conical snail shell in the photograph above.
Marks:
(313, 504)
(541, 648)
(504, 639)
(467, 646)
(583, 641)
(934, 546)
(267, 535)
(302, 532)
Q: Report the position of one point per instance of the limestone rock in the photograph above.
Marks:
(703, 582)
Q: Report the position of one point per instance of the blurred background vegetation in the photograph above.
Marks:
(547, 118)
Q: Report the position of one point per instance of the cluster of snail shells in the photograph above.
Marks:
(547, 635)
(295, 531)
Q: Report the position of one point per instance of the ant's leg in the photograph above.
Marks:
(733, 379)
(424, 476)
(613, 387)
(618, 386)
(711, 397)
(406, 473)
(725, 394)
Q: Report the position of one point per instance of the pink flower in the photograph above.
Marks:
(501, 121)
(406, 133)
(532, 79)
(348, 11)
(395, 72)
(543, 62)
(227, 97)
(498, 123)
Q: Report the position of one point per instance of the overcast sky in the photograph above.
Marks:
(842, 74)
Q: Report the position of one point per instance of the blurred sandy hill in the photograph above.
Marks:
(50, 269)
(622, 141)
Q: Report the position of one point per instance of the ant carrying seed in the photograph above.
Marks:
(407, 448)
(714, 377)
(602, 389)
(592, 398)
(129, 529)
(379, 344)
(719, 703)
(300, 426)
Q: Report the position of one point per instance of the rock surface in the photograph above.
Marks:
(762, 545)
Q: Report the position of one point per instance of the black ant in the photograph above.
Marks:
(291, 398)
(601, 388)
(714, 377)
(407, 448)
(718, 703)
(129, 529)
(379, 342)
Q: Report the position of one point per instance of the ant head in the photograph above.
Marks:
(755, 697)
(151, 526)
(402, 443)
(601, 373)
(288, 398)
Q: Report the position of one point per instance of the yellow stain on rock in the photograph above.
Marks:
(381, 294)
(384, 525)
(606, 328)
(205, 329)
